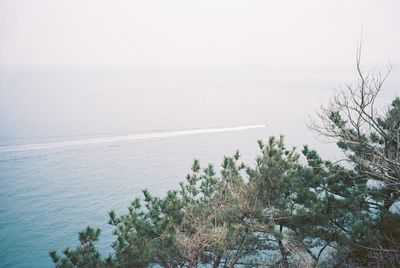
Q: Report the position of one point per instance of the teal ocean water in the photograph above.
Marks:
(78, 141)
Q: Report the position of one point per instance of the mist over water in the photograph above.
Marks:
(78, 137)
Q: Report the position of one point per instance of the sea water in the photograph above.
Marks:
(79, 141)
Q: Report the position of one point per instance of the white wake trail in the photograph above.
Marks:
(117, 139)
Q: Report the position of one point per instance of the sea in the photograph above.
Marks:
(77, 141)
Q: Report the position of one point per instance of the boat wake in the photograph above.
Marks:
(125, 138)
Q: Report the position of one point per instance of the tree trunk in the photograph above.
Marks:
(282, 249)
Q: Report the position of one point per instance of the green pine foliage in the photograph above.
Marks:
(280, 212)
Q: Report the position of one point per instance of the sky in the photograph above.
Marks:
(198, 31)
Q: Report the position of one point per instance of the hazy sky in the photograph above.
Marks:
(197, 31)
